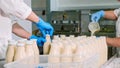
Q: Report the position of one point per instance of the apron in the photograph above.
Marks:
(5, 34)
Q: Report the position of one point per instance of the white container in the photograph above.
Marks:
(67, 52)
(46, 46)
(112, 63)
(55, 53)
(11, 51)
(20, 52)
(44, 63)
(29, 51)
(36, 51)
(93, 27)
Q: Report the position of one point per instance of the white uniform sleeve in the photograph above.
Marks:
(13, 19)
(117, 12)
(15, 7)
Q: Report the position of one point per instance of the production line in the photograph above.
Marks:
(63, 34)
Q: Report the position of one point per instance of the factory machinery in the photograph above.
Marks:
(73, 17)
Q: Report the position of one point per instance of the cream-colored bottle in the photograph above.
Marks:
(59, 43)
(29, 48)
(11, 51)
(78, 54)
(67, 52)
(54, 55)
(29, 51)
(47, 45)
(103, 50)
(73, 43)
(20, 52)
(36, 51)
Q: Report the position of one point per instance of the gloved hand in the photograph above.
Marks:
(96, 16)
(44, 27)
(40, 40)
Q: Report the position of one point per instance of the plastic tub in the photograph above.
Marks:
(43, 63)
(114, 62)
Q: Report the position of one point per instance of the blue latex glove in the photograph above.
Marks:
(44, 27)
(96, 16)
(40, 40)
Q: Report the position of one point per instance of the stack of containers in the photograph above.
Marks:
(83, 51)
(78, 49)
(20, 49)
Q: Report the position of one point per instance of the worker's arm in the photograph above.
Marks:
(18, 8)
(113, 41)
(19, 31)
(22, 10)
(95, 17)
(110, 15)
(33, 17)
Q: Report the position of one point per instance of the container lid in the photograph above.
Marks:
(72, 36)
(62, 36)
(12, 42)
(56, 36)
(22, 40)
(29, 42)
(20, 44)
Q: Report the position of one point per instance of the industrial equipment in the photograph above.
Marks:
(66, 22)
(86, 8)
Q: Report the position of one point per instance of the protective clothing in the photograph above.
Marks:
(44, 27)
(96, 16)
(16, 8)
(5, 33)
(7, 9)
(20, 9)
(117, 13)
(40, 40)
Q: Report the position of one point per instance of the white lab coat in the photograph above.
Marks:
(10, 8)
(5, 33)
(117, 13)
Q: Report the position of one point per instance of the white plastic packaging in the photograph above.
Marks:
(93, 27)
(67, 52)
(20, 52)
(29, 50)
(54, 55)
(47, 46)
(36, 51)
(11, 51)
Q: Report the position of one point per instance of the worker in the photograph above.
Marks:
(112, 15)
(17, 8)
